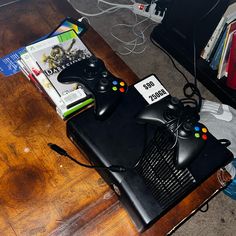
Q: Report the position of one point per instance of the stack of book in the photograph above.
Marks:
(42, 61)
(220, 49)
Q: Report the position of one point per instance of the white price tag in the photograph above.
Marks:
(151, 89)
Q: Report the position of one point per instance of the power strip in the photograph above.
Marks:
(150, 11)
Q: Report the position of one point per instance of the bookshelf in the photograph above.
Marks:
(182, 50)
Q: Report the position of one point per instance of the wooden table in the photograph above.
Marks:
(42, 193)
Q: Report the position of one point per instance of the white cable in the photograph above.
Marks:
(5, 4)
(101, 9)
(104, 11)
(129, 46)
(83, 18)
(116, 4)
(93, 14)
(135, 42)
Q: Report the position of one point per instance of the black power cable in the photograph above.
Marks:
(59, 150)
(191, 86)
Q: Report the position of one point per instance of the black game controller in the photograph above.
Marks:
(105, 87)
(181, 121)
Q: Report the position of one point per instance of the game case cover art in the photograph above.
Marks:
(67, 24)
(55, 54)
(31, 69)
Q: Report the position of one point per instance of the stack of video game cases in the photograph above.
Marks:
(42, 61)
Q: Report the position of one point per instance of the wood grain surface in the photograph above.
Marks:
(42, 193)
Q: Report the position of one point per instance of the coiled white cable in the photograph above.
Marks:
(132, 46)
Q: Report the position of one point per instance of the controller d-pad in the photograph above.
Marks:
(90, 72)
(188, 126)
(169, 115)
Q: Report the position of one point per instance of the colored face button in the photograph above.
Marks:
(196, 128)
(114, 88)
(122, 90)
(197, 135)
(204, 137)
(114, 82)
(122, 83)
(204, 130)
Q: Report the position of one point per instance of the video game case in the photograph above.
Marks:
(30, 76)
(70, 23)
(55, 54)
(38, 78)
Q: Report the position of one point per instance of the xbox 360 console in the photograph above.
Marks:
(146, 134)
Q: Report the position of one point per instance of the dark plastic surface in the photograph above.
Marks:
(175, 35)
(169, 112)
(120, 140)
(106, 88)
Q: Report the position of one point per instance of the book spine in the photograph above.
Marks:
(212, 42)
(29, 75)
(222, 34)
(226, 57)
(231, 78)
(216, 58)
(223, 61)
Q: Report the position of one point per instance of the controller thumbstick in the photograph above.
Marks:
(103, 85)
(174, 100)
(92, 68)
(186, 129)
(173, 109)
(174, 103)
(93, 62)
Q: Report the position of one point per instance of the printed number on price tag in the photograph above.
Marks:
(151, 89)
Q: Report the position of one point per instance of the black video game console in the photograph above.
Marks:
(148, 148)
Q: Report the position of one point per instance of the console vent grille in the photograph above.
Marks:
(156, 166)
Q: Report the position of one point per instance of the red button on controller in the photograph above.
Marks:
(122, 90)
